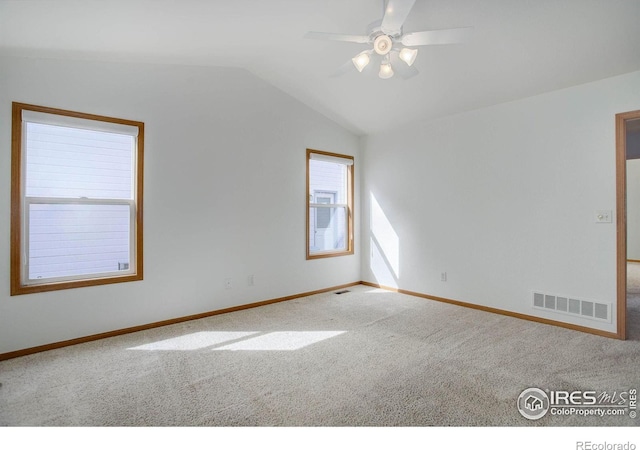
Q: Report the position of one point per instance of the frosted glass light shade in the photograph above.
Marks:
(386, 71)
(360, 61)
(408, 55)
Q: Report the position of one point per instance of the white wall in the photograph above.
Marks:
(225, 176)
(503, 199)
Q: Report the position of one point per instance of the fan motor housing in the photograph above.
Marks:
(382, 44)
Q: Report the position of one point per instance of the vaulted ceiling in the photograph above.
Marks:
(518, 48)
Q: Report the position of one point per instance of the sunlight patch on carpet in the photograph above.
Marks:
(281, 340)
(195, 341)
(245, 340)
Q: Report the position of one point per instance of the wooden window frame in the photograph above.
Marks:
(350, 193)
(18, 204)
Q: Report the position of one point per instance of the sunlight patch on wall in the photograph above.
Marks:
(281, 340)
(386, 236)
(380, 268)
(196, 341)
(385, 247)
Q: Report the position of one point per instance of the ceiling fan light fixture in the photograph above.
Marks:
(390, 42)
(382, 44)
(360, 61)
(408, 55)
(386, 71)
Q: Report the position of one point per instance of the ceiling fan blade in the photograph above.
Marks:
(437, 37)
(337, 37)
(346, 67)
(395, 14)
(401, 68)
(374, 65)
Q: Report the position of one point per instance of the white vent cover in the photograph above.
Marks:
(586, 309)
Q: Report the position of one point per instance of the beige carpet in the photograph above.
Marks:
(364, 358)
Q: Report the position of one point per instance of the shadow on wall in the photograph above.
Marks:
(385, 247)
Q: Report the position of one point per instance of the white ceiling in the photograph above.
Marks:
(519, 48)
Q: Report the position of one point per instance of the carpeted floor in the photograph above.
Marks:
(363, 358)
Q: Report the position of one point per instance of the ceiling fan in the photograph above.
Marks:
(391, 46)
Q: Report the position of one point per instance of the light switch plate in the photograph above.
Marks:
(603, 216)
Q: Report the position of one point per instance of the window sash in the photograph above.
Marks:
(26, 245)
(344, 207)
(103, 170)
(341, 233)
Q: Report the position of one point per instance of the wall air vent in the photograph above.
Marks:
(587, 309)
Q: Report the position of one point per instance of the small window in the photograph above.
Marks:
(329, 204)
(76, 199)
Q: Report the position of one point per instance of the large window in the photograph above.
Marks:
(329, 204)
(76, 200)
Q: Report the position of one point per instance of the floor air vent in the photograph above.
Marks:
(576, 307)
(342, 292)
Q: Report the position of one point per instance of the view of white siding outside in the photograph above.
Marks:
(79, 193)
(327, 224)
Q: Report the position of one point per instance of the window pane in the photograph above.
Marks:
(65, 162)
(328, 229)
(67, 240)
(323, 218)
(329, 178)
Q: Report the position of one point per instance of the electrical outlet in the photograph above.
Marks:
(443, 276)
(603, 216)
(250, 280)
(227, 283)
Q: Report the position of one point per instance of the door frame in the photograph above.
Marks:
(621, 219)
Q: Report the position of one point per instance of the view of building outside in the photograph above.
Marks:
(78, 194)
(327, 224)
